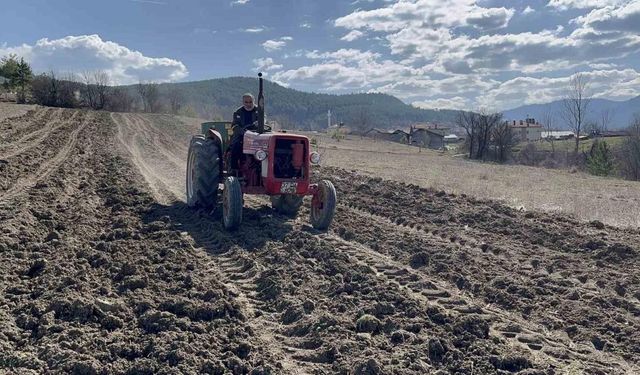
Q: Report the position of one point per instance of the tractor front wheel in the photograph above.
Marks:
(231, 203)
(323, 205)
(286, 204)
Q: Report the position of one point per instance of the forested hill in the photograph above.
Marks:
(218, 98)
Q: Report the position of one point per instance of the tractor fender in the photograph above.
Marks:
(217, 139)
(215, 135)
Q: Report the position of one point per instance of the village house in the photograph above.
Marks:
(527, 130)
(427, 135)
(399, 136)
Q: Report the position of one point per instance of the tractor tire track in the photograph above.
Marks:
(547, 347)
(406, 281)
(134, 137)
(48, 166)
(23, 126)
(143, 142)
(246, 265)
(35, 138)
(507, 274)
(239, 272)
(93, 281)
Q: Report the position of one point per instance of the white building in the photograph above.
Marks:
(527, 130)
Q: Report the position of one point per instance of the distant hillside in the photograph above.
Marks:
(218, 98)
(622, 112)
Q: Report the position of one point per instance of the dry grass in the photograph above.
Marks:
(8, 110)
(612, 201)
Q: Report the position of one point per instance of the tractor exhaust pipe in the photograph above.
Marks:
(260, 106)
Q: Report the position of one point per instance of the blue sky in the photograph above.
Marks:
(467, 54)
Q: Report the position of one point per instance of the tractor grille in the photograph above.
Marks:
(283, 165)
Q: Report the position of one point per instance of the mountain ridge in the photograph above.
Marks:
(217, 98)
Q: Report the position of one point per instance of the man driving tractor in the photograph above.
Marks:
(260, 161)
(244, 118)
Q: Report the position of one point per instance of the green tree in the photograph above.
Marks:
(22, 79)
(8, 69)
(600, 159)
(18, 75)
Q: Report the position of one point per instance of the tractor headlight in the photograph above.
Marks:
(261, 155)
(314, 157)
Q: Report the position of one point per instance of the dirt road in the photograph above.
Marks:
(105, 270)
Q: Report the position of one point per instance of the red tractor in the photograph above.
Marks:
(277, 164)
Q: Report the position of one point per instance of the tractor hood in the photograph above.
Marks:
(254, 141)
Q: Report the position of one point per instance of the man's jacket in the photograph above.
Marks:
(244, 118)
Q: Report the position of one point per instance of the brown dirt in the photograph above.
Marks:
(610, 200)
(104, 269)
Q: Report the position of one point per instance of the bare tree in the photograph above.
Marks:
(68, 91)
(44, 89)
(101, 81)
(479, 128)
(175, 99)
(118, 100)
(488, 121)
(470, 123)
(96, 85)
(630, 160)
(576, 105)
(362, 122)
(606, 117)
(89, 91)
(549, 122)
(149, 95)
(502, 139)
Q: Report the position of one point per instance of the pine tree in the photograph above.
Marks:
(8, 68)
(600, 160)
(22, 78)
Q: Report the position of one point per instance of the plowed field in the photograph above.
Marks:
(104, 269)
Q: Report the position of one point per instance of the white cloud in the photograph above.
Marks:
(582, 4)
(305, 25)
(345, 55)
(529, 51)
(345, 69)
(273, 45)
(426, 13)
(435, 60)
(352, 35)
(254, 30)
(239, 2)
(490, 18)
(265, 64)
(90, 52)
(456, 102)
(332, 76)
(613, 84)
(612, 18)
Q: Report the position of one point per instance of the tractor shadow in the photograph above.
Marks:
(259, 226)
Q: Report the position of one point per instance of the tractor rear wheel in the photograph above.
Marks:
(323, 205)
(287, 204)
(203, 172)
(231, 203)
